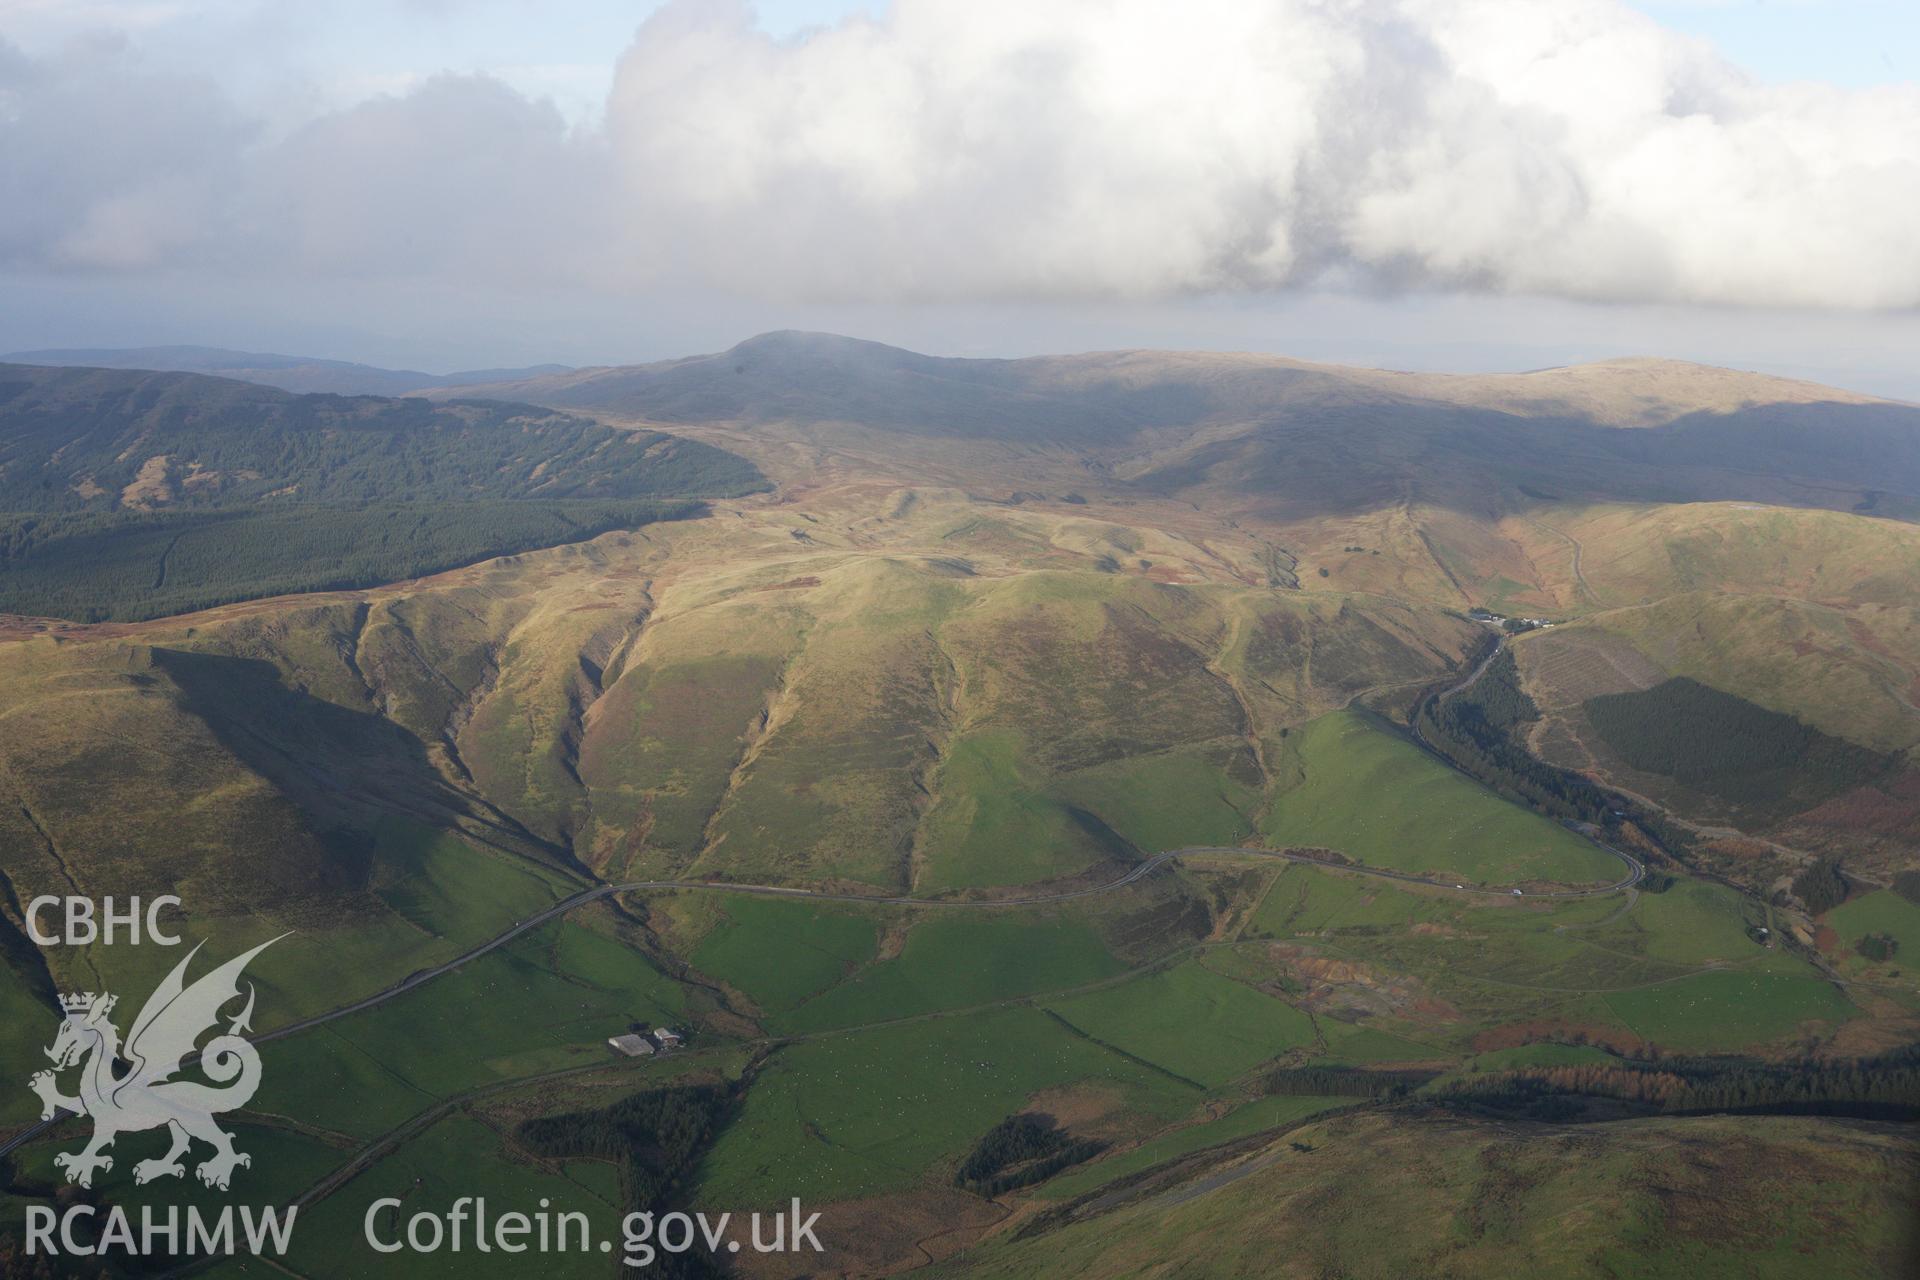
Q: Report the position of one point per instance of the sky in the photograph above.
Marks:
(1438, 184)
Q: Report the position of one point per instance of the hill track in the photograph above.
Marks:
(1134, 875)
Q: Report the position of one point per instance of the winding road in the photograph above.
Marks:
(1635, 873)
(1133, 875)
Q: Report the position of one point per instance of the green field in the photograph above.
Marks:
(1382, 801)
(950, 962)
(1693, 922)
(458, 1156)
(781, 952)
(547, 1001)
(284, 1165)
(1881, 911)
(454, 890)
(446, 894)
(1717, 1012)
(430, 897)
(1370, 1046)
(1192, 1022)
(1538, 1055)
(1305, 899)
(856, 1114)
(1173, 799)
(1677, 967)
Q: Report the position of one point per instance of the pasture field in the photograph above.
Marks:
(433, 896)
(780, 952)
(1199, 796)
(1190, 1021)
(1304, 899)
(1249, 1118)
(1693, 922)
(956, 962)
(871, 1111)
(1771, 999)
(1881, 911)
(30, 1026)
(1536, 1055)
(548, 1000)
(1676, 968)
(1352, 1045)
(1382, 801)
(285, 1164)
(459, 1156)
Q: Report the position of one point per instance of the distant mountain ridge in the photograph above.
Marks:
(1306, 438)
(299, 374)
(787, 371)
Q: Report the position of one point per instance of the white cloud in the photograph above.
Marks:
(106, 162)
(1001, 149)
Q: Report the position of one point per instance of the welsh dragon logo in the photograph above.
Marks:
(161, 1044)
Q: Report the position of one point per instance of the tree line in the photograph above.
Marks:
(655, 1137)
(1019, 1151)
(128, 566)
(1344, 1082)
(1881, 1088)
(1475, 729)
(73, 440)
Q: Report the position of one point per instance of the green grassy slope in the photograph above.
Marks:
(781, 953)
(857, 1114)
(1192, 1022)
(1374, 1196)
(949, 962)
(1381, 800)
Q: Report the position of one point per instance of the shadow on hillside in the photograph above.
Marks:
(344, 769)
(1306, 439)
(1339, 459)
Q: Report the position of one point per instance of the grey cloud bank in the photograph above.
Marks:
(994, 151)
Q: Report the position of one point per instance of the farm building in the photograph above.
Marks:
(631, 1045)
